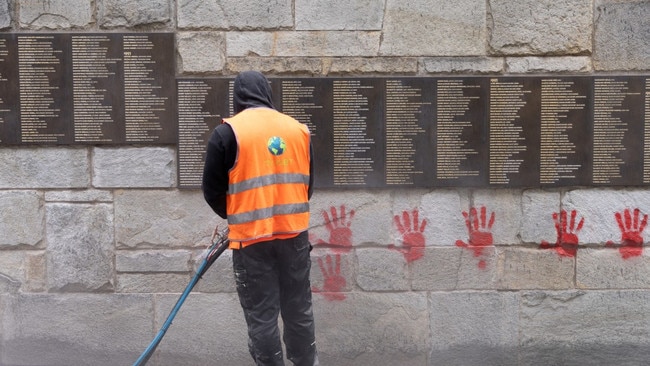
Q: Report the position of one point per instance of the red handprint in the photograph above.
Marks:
(412, 236)
(480, 235)
(333, 281)
(339, 228)
(567, 236)
(631, 233)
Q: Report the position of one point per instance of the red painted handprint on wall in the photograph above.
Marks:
(412, 235)
(631, 233)
(339, 228)
(333, 282)
(480, 234)
(567, 234)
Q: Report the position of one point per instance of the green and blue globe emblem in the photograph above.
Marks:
(276, 145)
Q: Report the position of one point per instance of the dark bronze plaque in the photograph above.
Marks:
(461, 153)
(618, 130)
(84, 88)
(9, 102)
(201, 107)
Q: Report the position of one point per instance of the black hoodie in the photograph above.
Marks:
(251, 90)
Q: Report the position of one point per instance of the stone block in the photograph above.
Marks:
(87, 195)
(163, 219)
(80, 247)
(613, 268)
(128, 13)
(51, 167)
(434, 28)
(505, 205)
(462, 65)
(22, 271)
(381, 269)
(374, 65)
(537, 222)
(5, 14)
(342, 220)
(153, 261)
(80, 329)
(201, 51)
(209, 328)
(152, 282)
(333, 274)
(534, 268)
(561, 64)
(276, 65)
(584, 328)
(454, 268)
(339, 15)
(55, 14)
(474, 328)
(21, 219)
(219, 277)
(134, 167)
(304, 43)
(621, 35)
(234, 14)
(355, 331)
(540, 27)
(443, 210)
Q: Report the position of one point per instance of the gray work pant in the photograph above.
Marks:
(272, 278)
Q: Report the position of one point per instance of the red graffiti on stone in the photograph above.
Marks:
(412, 235)
(333, 282)
(567, 233)
(338, 226)
(632, 227)
(479, 228)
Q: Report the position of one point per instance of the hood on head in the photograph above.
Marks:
(251, 89)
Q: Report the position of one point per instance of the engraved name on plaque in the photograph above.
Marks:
(9, 101)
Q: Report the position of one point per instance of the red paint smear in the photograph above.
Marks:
(338, 226)
(479, 228)
(567, 234)
(412, 235)
(333, 282)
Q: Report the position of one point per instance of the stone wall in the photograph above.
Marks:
(96, 243)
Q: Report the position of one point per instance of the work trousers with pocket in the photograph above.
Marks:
(272, 278)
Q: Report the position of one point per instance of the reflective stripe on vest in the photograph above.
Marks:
(267, 191)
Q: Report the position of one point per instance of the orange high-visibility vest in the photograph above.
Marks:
(268, 185)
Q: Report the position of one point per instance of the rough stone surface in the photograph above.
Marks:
(134, 167)
(305, 43)
(521, 65)
(44, 168)
(534, 268)
(454, 268)
(80, 247)
(89, 195)
(584, 328)
(149, 261)
(21, 219)
(333, 274)
(382, 270)
(339, 15)
(5, 14)
(434, 28)
(209, 328)
(537, 222)
(276, 65)
(201, 51)
(22, 271)
(133, 13)
(162, 219)
(622, 35)
(55, 14)
(505, 205)
(151, 282)
(375, 65)
(540, 27)
(612, 268)
(444, 211)
(235, 14)
(474, 328)
(219, 277)
(400, 317)
(445, 65)
(81, 329)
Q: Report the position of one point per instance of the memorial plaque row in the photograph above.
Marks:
(85, 88)
(481, 131)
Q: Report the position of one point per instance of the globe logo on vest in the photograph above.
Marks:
(276, 145)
